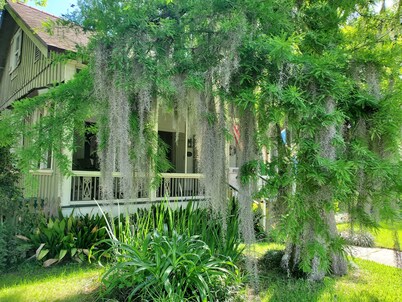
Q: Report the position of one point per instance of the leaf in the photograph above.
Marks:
(73, 251)
(69, 223)
(22, 237)
(62, 254)
(42, 253)
(39, 249)
(49, 262)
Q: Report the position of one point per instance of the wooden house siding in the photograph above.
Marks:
(32, 73)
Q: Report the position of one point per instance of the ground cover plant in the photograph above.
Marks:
(67, 237)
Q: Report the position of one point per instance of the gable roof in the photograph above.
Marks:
(62, 38)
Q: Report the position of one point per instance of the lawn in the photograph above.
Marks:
(367, 281)
(383, 236)
(68, 283)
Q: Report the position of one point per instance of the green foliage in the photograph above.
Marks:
(63, 110)
(165, 253)
(37, 2)
(358, 238)
(190, 220)
(258, 216)
(169, 267)
(68, 238)
(271, 260)
(13, 248)
(328, 73)
(10, 195)
(18, 217)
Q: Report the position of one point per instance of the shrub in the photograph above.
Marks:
(271, 260)
(13, 250)
(68, 238)
(170, 267)
(359, 238)
(190, 220)
(18, 216)
(3, 248)
(258, 216)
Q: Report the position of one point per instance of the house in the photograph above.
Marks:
(26, 70)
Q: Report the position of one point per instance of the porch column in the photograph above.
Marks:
(65, 184)
(65, 181)
(186, 143)
(155, 110)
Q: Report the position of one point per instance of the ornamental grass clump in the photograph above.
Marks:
(360, 238)
(161, 254)
(169, 266)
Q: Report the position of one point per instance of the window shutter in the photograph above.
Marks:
(11, 63)
(15, 50)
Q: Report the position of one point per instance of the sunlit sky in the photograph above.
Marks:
(59, 7)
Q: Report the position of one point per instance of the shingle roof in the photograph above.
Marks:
(63, 37)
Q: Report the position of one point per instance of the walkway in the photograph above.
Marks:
(383, 256)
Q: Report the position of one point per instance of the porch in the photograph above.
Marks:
(82, 188)
(86, 187)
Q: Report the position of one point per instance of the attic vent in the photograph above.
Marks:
(37, 54)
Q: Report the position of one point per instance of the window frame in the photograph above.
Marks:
(15, 50)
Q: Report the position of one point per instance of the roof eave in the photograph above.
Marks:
(42, 46)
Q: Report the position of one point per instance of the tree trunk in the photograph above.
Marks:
(314, 245)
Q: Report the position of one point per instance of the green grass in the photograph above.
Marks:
(258, 250)
(368, 281)
(384, 236)
(69, 283)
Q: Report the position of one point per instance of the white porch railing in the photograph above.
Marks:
(86, 186)
(174, 185)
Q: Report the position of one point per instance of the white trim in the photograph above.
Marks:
(15, 50)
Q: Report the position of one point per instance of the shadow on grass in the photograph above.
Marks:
(365, 282)
(276, 286)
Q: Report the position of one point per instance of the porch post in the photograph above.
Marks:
(186, 143)
(65, 184)
(155, 117)
(64, 195)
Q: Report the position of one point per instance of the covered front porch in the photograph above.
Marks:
(82, 188)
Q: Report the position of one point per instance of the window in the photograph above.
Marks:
(15, 52)
(85, 156)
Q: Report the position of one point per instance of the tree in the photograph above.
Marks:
(37, 2)
(293, 74)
